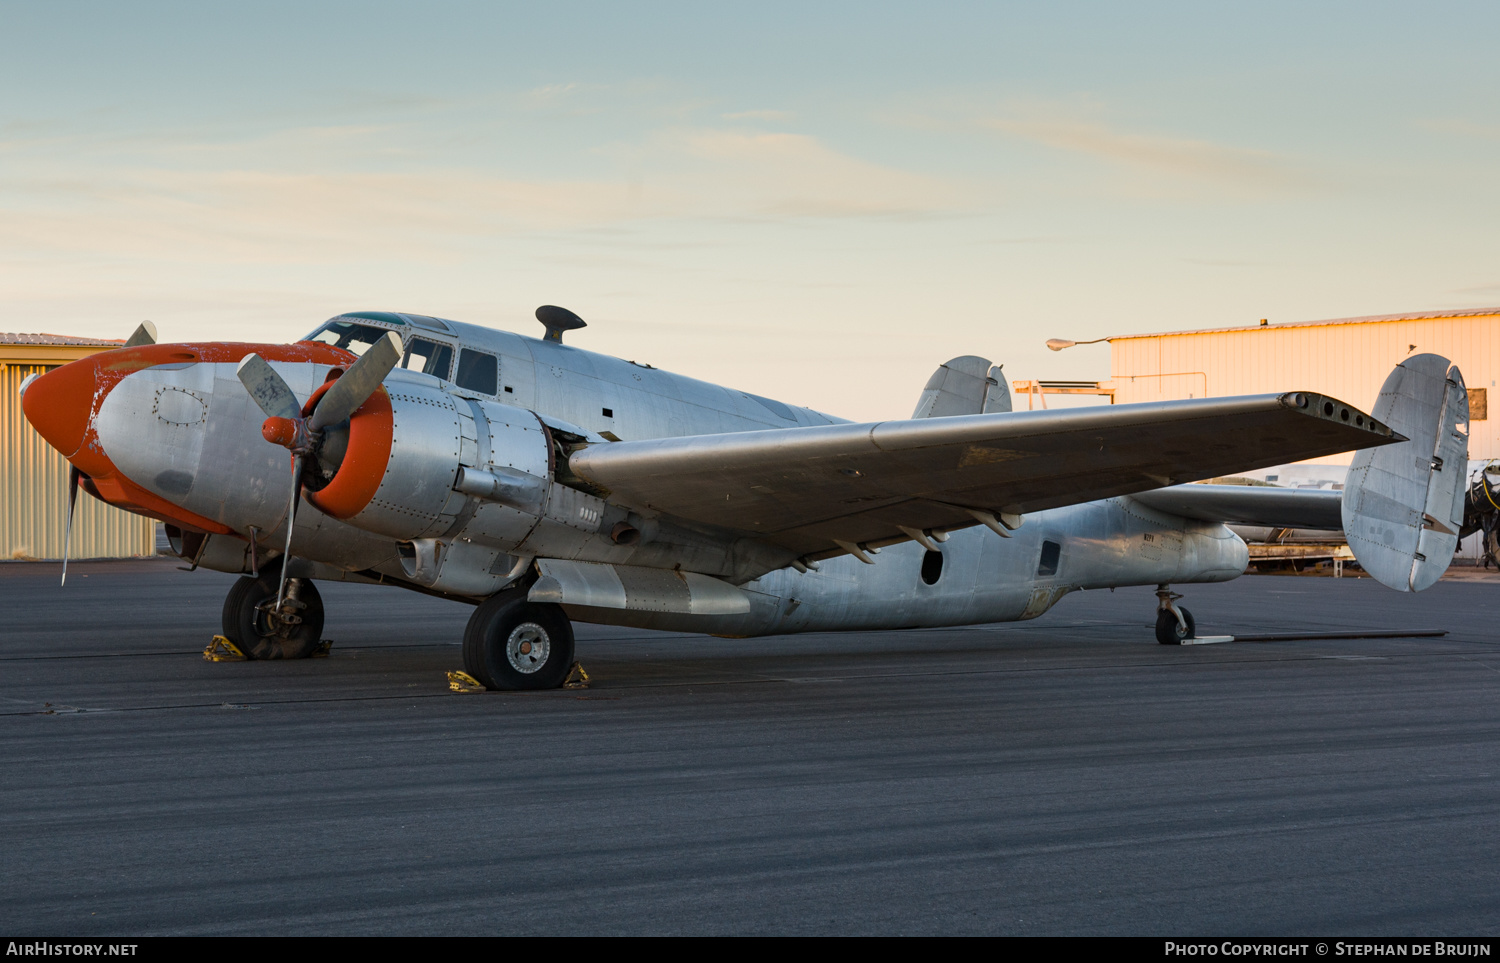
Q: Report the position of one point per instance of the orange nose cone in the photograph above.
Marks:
(59, 403)
(279, 431)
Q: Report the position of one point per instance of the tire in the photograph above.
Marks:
(1168, 632)
(252, 630)
(511, 643)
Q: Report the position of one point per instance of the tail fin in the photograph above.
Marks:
(1403, 504)
(964, 386)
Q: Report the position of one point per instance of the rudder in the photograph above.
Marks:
(1403, 504)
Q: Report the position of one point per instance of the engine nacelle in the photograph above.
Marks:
(472, 490)
(408, 444)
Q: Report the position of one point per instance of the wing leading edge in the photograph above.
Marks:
(806, 489)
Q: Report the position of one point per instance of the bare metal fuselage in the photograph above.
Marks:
(191, 434)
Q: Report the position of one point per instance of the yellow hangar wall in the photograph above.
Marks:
(1348, 358)
(34, 496)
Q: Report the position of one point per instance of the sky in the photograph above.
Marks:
(816, 202)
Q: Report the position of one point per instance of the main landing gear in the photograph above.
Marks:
(1174, 624)
(511, 643)
(261, 631)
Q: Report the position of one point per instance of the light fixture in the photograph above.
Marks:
(1057, 344)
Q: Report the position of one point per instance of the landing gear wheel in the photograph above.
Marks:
(511, 643)
(1169, 632)
(260, 633)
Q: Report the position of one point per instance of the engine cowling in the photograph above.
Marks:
(407, 445)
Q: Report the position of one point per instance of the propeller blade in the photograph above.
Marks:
(145, 333)
(358, 383)
(267, 388)
(291, 523)
(73, 475)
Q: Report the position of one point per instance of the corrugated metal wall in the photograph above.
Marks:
(34, 501)
(1347, 361)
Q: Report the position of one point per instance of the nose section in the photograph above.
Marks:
(59, 403)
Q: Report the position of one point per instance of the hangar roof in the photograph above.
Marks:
(50, 349)
(1367, 319)
(58, 339)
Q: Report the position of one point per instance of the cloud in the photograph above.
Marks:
(356, 192)
(1462, 127)
(794, 175)
(270, 216)
(770, 116)
(1171, 156)
(266, 216)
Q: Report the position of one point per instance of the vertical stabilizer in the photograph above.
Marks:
(962, 386)
(1403, 504)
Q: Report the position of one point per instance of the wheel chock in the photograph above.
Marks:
(223, 650)
(321, 652)
(577, 678)
(463, 682)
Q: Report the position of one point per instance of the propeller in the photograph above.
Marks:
(307, 437)
(145, 333)
(73, 476)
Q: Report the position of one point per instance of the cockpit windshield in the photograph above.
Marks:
(348, 335)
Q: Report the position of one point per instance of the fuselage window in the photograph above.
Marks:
(478, 371)
(932, 567)
(350, 337)
(1051, 552)
(429, 357)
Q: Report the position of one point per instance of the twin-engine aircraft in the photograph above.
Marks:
(544, 483)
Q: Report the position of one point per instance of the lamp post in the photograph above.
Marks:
(1057, 344)
(1036, 389)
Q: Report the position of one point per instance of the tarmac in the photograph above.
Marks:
(1061, 776)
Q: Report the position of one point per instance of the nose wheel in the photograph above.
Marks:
(1174, 624)
(261, 630)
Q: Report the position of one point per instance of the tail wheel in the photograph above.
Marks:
(1169, 631)
(261, 633)
(511, 643)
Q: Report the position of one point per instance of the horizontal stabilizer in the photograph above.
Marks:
(1250, 505)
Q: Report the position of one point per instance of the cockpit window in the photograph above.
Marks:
(478, 371)
(431, 324)
(347, 335)
(428, 357)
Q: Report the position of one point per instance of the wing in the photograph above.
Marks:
(806, 489)
(1251, 505)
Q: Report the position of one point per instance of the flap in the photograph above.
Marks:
(635, 588)
(806, 489)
